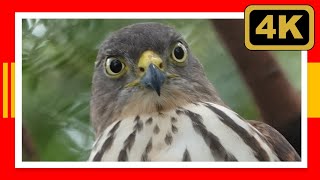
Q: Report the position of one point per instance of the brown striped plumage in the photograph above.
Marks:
(151, 101)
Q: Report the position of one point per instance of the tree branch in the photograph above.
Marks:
(28, 148)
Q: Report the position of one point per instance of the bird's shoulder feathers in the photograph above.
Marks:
(276, 141)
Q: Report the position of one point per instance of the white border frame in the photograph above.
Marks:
(18, 83)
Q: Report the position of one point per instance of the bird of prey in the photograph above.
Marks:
(151, 101)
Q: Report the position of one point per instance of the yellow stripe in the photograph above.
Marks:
(5, 90)
(12, 90)
(313, 90)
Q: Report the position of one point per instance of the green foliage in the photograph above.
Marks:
(58, 58)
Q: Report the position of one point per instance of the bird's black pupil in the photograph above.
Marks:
(178, 52)
(116, 66)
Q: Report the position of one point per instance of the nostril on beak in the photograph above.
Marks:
(141, 69)
(160, 65)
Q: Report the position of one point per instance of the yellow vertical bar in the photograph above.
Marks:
(5, 90)
(12, 90)
(313, 90)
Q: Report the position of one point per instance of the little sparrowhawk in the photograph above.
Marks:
(151, 101)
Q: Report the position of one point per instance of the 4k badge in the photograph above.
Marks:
(279, 27)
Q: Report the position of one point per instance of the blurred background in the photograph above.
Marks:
(58, 58)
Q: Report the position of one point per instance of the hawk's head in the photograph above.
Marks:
(145, 68)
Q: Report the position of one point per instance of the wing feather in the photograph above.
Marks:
(277, 142)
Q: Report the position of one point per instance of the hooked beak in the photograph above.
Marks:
(154, 76)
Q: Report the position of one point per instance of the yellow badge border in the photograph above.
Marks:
(251, 8)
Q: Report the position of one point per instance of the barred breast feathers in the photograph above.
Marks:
(194, 132)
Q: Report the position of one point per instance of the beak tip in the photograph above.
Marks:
(154, 78)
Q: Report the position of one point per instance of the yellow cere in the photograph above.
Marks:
(149, 57)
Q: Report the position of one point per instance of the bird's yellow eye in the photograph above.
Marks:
(179, 53)
(114, 67)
